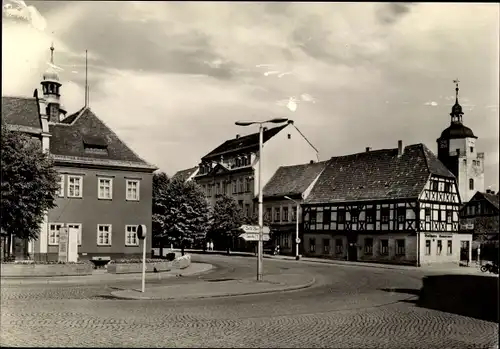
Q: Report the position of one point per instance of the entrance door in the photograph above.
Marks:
(464, 250)
(352, 247)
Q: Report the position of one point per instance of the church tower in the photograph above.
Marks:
(51, 88)
(457, 150)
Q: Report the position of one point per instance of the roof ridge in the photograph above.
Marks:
(21, 97)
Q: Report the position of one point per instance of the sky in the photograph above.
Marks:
(171, 78)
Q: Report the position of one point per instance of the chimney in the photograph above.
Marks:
(400, 148)
(368, 149)
(237, 136)
(311, 161)
(488, 191)
(290, 122)
(265, 128)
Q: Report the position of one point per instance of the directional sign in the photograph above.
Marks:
(254, 229)
(254, 237)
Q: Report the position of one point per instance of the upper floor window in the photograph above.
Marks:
(371, 213)
(60, 192)
(401, 214)
(235, 187)
(269, 213)
(75, 186)
(385, 214)
(449, 216)
(294, 213)
(435, 185)
(471, 184)
(427, 214)
(105, 188)
(341, 216)
(285, 214)
(354, 215)
(447, 187)
(277, 213)
(133, 190)
(247, 185)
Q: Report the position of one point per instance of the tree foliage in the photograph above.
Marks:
(29, 184)
(180, 211)
(226, 216)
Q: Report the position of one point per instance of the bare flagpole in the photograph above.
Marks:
(86, 81)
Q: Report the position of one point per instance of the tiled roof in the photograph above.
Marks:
(493, 199)
(184, 174)
(87, 128)
(377, 175)
(249, 142)
(292, 180)
(21, 111)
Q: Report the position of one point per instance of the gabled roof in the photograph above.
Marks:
(249, 143)
(21, 111)
(185, 174)
(377, 175)
(70, 137)
(493, 199)
(292, 180)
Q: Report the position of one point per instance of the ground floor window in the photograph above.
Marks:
(104, 234)
(286, 241)
(400, 247)
(131, 235)
(450, 250)
(312, 245)
(368, 246)
(428, 247)
(54, 229)
(339, 246)
(439, 247)
(326, 245)
(384, 247)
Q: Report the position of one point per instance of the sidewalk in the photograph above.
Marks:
(451, 268)
(99, 276)
(221, 288)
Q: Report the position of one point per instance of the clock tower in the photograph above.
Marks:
(457, 150)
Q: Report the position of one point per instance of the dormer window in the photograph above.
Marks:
(95, 145)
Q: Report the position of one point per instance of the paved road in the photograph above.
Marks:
(346, 309)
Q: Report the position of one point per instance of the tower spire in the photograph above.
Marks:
(456, 110)
(456, 81)
(52, 53)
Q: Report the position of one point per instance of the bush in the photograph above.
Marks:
(137, 260)
(170, 256)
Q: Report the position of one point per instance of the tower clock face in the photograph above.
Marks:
(443, 144)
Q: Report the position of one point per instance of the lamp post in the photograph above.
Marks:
(297, 240)
(261, 220)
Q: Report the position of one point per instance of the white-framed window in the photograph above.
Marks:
(60, 192)
(54, 229)
(133, 187)
(79, 227)
(104, 234)
(105, 188)
(75, 186)
(131, 235)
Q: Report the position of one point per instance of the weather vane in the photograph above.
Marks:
(456, 81)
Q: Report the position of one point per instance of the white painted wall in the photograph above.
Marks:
(281, 151)
(444, 257)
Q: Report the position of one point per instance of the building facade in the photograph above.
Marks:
(394, 206)
(231, 168)
(282, 197)
(480, 216)
(105, 188)
(458, 152)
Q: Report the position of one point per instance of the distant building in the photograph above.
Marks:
(480, 216)
(294, 182)
(231, 168)
(187, 174)
(457, 151)
(105, 188)
(393, 205)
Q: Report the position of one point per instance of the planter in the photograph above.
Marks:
(44, 270)
(129, 268)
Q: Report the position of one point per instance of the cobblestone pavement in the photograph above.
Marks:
(346, 309)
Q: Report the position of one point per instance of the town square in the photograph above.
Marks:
(262, 174)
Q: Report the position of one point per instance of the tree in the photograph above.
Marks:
(160, 186)
(29, 185)
(180, 211)
(226, 217)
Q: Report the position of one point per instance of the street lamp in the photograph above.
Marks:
(297, 241)
(261, 220)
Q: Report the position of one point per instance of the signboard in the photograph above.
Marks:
(73, 244)
(63, 245)
(254, 229)
(254, 237)
(141, 232)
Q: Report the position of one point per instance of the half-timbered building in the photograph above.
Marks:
(393, 205)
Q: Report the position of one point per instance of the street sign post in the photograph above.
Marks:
(141, 234)
(251, 233)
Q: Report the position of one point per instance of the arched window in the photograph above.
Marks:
(471, 184)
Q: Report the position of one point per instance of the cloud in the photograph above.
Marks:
(432, 104)
(168, 75)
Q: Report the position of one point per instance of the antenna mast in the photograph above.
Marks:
(86, 81)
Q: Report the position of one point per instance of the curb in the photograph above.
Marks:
(276, 290)
(89, 280)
